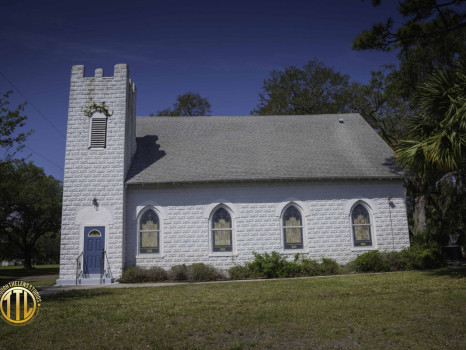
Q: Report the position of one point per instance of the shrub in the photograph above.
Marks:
(396, 260)
(432, 259)
(267, 265)
(411, 258)
(134, 274)
(178, 272)
(202, 272)
(422, 259)
(290, 269)
(156, 273)
(371, 262)
(329, 266)
(137, 274)
(311, 267)
(349, 267)
(422, 239)
(239, 272)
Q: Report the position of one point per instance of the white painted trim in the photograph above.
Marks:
(350, 203)
(161, 211)
(232, 208)
(280, 207)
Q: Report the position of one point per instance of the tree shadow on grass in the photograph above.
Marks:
(456, 272)
(67, 296)
(16, 273)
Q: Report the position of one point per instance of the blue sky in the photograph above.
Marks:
(222, 49)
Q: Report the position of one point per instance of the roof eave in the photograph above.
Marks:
(274, 180)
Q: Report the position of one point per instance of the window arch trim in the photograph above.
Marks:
(349, 205)
(371, 243)
(292, 235)
(154, 250)
(231, 207)
(231, 249)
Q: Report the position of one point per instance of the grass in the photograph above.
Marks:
(19, 271)
(11, 273)
(417, 310)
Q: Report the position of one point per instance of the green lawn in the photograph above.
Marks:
(19, 271)
(403, 310)
(40, 275)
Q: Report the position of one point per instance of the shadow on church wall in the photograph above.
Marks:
(148, 152)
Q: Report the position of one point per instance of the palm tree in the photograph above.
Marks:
(437, 134)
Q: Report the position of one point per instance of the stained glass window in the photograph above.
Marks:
(293, 228)
(149, 231)
(222, 231)
(361, 226)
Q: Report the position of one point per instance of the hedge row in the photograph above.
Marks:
(193, 272)
(274, 265)
(411, 258)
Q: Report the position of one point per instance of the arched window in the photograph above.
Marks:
(149, 233)
(292, 228)
(98, 134)
(361, 222)
(222, 231)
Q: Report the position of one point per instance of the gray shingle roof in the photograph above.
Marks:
(303, 147)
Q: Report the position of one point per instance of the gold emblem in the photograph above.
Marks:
(19, 303)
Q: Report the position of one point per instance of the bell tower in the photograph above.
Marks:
(100, 142)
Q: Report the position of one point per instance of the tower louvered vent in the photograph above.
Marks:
(98, 132)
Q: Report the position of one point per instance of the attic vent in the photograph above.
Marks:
(98, 132)
(341, 121)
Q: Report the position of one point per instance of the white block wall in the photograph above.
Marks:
(96, 173)
(185, 231)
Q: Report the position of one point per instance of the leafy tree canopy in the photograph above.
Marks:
(437, 135)
(382, 107)
(435, 148)
(11, 138)
(432, 35)
(316, 89)
(189, 104)
(313, 89)
(30, 206)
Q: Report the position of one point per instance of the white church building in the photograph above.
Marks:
(163, 191)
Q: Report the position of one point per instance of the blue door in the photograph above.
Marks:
(94, 244)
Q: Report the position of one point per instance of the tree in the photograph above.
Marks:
(381, 106)
(11, 139)
(30, 206)
(189, 104)
(432, 35)
(314, 89)
(437, 135)
(319, 89)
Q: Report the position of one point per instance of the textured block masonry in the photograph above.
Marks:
(97, 176)
(96, 173)
(256, 209)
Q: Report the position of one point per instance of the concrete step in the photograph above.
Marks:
(94, 280)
